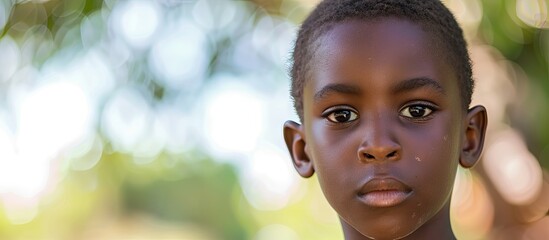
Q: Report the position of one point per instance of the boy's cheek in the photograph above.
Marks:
(333, 147)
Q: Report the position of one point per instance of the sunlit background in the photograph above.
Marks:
(162, 119)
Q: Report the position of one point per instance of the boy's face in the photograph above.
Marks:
(383, 128)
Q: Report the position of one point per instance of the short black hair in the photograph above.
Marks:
(431, 15)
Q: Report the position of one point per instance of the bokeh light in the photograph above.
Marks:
(136, 21)
(533, 13)
(127, 118)
(269, 182)
(472, 209)
(515, 173)
(233, 117)
(178, 58)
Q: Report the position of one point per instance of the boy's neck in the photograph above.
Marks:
(438, 227)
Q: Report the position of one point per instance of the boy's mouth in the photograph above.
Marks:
(384, 192)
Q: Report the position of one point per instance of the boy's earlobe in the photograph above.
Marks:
(475, 133)
(293, 136)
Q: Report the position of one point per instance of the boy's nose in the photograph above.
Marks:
(379, 144)
(382, 152)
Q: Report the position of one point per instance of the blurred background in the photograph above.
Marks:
(162, 119)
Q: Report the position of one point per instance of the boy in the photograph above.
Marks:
(382, 89)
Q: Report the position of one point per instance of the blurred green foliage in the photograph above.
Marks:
(201, 192)
(527, 47)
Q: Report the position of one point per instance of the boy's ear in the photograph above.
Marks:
(475, 132)
(293, 136)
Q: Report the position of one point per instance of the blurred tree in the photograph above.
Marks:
(201, 192)
(525, 45)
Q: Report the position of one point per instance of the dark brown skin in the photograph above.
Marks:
(384, 130)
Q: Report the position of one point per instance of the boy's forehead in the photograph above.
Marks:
(383, 47)
(369, 28)
(378, 35)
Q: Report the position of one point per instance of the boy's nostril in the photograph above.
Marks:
(393, 155)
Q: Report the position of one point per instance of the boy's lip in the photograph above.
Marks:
(384, 192)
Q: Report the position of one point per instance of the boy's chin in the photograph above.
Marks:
(380, 230)
(384, 235)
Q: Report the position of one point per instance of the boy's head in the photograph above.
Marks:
(431, 15)
(382, 88)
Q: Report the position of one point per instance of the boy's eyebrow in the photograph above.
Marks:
(420, 82)
(336, 87)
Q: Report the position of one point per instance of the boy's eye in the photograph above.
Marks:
(342, 116)
(416, 111)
